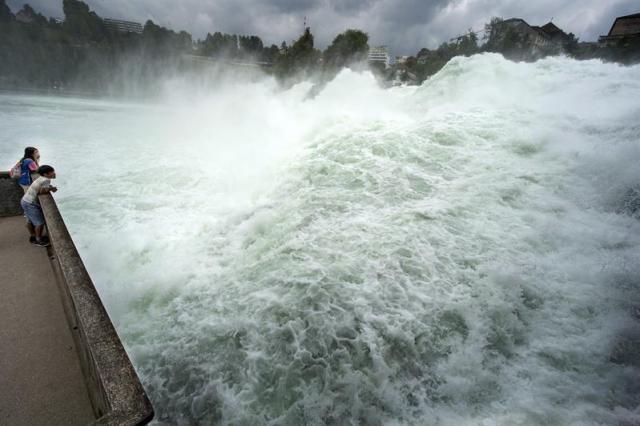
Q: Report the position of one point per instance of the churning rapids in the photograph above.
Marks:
(464, 252)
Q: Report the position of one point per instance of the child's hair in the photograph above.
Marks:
(42, 170)
(29, 152)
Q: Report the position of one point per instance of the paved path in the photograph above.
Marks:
(40, 378)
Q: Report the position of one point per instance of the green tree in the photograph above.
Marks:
(468, 44)
(298, 60)
(270, 54)
(251, 45)
(221, 45)
(302, 53)
(5, 12)
(82, 23)
(159, 41)
(571, 44)
(347, 48)
(503, 38)
(491, 32)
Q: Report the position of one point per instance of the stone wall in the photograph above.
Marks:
(115, 391)
(10, 195)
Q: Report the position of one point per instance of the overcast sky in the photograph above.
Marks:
(404, 25)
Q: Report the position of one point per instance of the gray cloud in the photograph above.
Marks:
(350, 6)
(293, 6)
(410, 12)
(404, 25)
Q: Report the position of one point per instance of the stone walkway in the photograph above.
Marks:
(41, 382)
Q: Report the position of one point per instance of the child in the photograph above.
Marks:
(28, 165)
(31, 205)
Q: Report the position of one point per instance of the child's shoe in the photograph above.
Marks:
(42, 243)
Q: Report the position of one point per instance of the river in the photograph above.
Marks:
(460, 253)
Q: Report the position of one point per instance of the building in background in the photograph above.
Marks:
(554, 34)
(27, 15)
(123, 26)
(516, 33)
(24, 17)
(379, 55)
(624, 27)
(538, 39)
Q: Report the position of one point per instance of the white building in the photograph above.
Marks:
(379, 54)
(123, 26)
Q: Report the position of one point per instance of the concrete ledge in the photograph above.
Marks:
(11, 195)
(115, 390)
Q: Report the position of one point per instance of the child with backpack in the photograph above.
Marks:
(27, 165)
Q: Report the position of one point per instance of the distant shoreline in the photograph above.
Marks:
(51, 92)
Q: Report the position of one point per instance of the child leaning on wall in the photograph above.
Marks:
(31, 205)
(28, 164)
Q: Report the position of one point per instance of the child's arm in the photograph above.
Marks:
(47, 190)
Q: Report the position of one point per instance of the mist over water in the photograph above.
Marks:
(464, 252)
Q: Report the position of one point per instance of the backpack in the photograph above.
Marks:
(16, 171)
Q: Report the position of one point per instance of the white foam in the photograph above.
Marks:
(460, 252)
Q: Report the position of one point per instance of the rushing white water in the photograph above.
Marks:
(465, 252)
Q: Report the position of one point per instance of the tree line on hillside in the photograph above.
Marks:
(83, 53)
(80, 52)
(500, 37)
